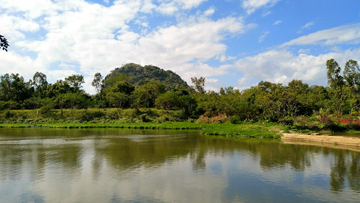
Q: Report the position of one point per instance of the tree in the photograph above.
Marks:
(98, 82)
(13, 87)
(73, 99)
(4, 43)
(40, 83)
(60, 100)
(112, 80)
(229, 90)
(222, 91)
(117, 99)
(124, 87)
(167, 100)
(59, 87)
(335, 80)
(188, 104)
(118, 95)
(352, 74)
(199, 84)
(75, 82)
(145, 95)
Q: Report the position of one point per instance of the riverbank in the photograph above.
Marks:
(255, 130)
(339, 142)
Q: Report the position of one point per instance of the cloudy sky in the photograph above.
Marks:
(230, 42)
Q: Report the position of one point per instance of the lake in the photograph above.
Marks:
(116, 165)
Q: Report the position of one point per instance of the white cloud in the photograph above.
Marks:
(306, 26)
(13, 27)
(223, 58)
(31, 9)
(262, 37)
(337, 35)
(304, 51)
(98, 39)
(251, 5)
(211, 80)
(281, 66)
(266, 13)
(277, 22)
(209, 12)
(170, 7)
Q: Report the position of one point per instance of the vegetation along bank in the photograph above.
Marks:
(150, 96)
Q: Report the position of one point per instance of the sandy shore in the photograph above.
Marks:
(340, 142)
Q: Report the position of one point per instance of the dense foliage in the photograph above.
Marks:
(336, 107)
(139, 75)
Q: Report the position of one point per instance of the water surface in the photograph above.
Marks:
(114, 165)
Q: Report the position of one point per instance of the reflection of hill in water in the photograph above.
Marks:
(35, 150)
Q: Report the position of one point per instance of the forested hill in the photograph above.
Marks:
(140, 75)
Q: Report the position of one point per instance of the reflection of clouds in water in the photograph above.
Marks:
(174, 182)
(146, 138)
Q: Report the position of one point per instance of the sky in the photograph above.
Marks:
(234, 43)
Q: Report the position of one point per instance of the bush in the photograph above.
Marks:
(143, 118)
(235, 119)
(91, 116)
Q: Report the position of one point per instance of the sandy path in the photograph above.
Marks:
(340, 142)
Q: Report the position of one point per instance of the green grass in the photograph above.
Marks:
(228, 130)
(165, 125)
(241, 130)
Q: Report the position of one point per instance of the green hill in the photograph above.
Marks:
(140, 75)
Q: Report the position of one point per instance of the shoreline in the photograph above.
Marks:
(337, 142)
(216, 130)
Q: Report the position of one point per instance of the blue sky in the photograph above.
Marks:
(231, 42)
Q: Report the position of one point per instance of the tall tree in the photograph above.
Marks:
(199, 84)
(167, 100)
(98, 82)
(13, 87)
(3, 43)
(117, 99)
(75, 82)
(40, 83)
(73, 100)
(352, 74)
(335, 80)
(145, 95)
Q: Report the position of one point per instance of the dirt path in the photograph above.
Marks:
(340, 142)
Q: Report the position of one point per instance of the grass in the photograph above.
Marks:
(165, 125)
(228, 130)
(241, 130)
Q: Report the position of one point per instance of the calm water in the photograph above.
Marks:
(46, 165)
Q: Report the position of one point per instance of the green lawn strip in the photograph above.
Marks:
(231, 130)
(241, 130)
(165, 125)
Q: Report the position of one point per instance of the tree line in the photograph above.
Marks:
(266, 101)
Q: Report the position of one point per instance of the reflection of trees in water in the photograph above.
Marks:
(15, 158)
(272, 154)
(346, 166)
(67, 156)
(354, 172)
(125, 153)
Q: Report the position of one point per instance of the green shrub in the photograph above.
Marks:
(235, 119)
